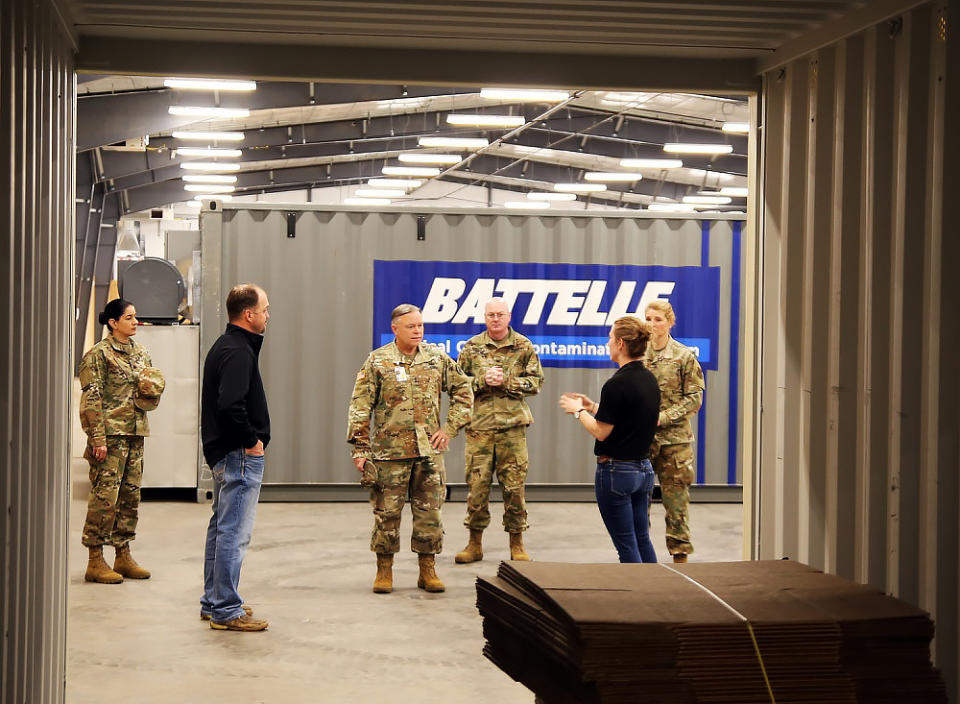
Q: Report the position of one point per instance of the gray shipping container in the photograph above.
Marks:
(320, 284)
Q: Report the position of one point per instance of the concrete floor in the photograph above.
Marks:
(331, 639)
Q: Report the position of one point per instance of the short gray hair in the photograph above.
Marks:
(403, 309)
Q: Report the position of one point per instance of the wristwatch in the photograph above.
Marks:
(576, 413)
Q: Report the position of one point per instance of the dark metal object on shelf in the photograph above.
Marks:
(154, 286)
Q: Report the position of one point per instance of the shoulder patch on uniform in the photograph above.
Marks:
(361, 375)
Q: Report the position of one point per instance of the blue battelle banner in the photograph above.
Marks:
(565, 309)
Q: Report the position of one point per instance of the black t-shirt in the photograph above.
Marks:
(630, 402)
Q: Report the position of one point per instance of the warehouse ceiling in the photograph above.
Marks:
(299, 136)
(345, 89)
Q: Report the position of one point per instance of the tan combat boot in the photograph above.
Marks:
(383, 582)
(516, 547)
(98, 570)
(428, 575)
(474, 550)
(127, 566)
(680, 557)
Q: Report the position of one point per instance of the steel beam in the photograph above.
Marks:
(418, 65)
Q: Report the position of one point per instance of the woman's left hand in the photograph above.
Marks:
(571, 403)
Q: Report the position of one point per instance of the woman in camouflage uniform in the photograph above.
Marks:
(115, 428)
(681, 392)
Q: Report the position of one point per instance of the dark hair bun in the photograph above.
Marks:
(114, 310)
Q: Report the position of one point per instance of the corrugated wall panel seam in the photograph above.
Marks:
(37, 98)
(880, 420)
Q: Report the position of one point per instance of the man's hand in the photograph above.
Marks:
(439, 440)
(358, 462)
(256, 450)
(494, 376)
(100, 453)
(571, 403)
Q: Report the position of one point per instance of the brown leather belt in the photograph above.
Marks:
(604, 459)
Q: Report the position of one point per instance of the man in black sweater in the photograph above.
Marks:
(235, 427)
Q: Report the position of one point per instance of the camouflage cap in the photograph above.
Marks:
(150, 386)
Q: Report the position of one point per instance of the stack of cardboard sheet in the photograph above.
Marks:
(734, 632)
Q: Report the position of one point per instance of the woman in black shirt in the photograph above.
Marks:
(624, 426)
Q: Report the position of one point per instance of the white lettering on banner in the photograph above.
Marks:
(539, 291)
(652, 291)
(441, 303)
(570, 306)
(473, 306)
(591, 313)
(561, 313)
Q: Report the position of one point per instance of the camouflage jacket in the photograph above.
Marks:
(403, 397)
(108, 379)
(681, 390)
(499, 407)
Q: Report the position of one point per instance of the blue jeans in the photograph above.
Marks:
(236, 490)
(623, 496)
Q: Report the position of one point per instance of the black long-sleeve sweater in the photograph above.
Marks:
(233, 405)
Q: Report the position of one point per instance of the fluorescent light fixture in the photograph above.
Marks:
(193, 204)
(734, 191)
(579, 187)
(208, 166)
(726, 191)
(208, 178)
(453, 142)
(651, 163)
(209, 84)
(706, 200)
(524, 94)
(486, 120)
(683, 148)
(394, 183)
(625, 97)
(366, 201)
(213, 196)
(208, 188)
(380, 192)
(425, 158)
(210, 136)
(410, 171)
(526, 204)
(736, 127)
(538, 195)
(670, 208)
(203, 151)
(199, 111)
(612, 176)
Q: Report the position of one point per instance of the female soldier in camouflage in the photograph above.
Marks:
(115, 428)
(681, 392)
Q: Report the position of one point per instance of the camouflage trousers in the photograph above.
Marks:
(114, 492)
(423, 480)
(673, 465)
(503, 451)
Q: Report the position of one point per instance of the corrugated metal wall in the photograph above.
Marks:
(321, 293)
(36, 265)
(858, 433)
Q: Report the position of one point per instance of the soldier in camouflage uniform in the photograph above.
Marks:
(504, 367)
(681, 393)
(400, 386)
(115, 429)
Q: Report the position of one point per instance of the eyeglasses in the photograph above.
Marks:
(497, 315)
